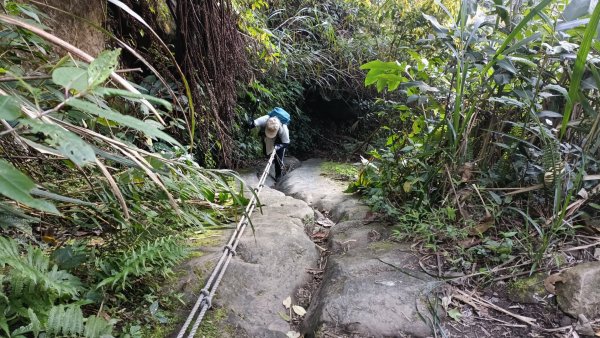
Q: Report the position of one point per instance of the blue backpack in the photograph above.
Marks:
(281, 114)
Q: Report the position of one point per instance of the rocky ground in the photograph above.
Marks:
(319, 264)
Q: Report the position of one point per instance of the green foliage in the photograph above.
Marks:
(30, 286)
(155, 257)
(485, 104)
(342, 171)
(122, 188)
(16, 185)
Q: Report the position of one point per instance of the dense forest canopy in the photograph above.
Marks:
(476, 123)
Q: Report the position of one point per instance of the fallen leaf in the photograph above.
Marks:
(293, 334)
(299, 310)
(466, 172)
(455, 314)
(483, 226)
(325, 222)
(550, 281)
(446, 301)
(287, 302)
(284, 316)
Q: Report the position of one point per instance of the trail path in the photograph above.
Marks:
(363, 285)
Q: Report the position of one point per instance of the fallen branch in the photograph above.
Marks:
(474, 299)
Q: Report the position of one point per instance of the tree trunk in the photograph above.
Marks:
(64, 22)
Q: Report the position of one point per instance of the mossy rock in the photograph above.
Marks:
(339, 171)
(382, 246)
(529, 290)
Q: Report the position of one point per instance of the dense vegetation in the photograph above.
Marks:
(477, 122)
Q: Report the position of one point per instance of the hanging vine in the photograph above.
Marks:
(210, 50)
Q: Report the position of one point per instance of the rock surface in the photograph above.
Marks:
(371, 287)
(269, 266)
(577, 290)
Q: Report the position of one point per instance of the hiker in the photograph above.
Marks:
(276, 135)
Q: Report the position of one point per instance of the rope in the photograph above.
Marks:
(204, 301)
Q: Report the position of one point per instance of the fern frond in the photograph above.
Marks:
(34, 267)
(158, 256)
(550, 155)
(65, 320)
(96, 327)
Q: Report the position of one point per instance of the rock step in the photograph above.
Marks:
(371, 287)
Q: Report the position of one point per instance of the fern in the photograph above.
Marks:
(69, 321)
(156, 256)
(552, 163)
(34, 266)
(65, 320)
(96, 327)
(13, 218)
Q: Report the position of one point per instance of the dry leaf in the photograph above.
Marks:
(325, 222)
(287, 302)
(293, 334)
(299, 310)
(550, 281)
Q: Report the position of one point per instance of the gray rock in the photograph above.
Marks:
(577, 290)
(307, 183)
(372, 287)
(270, 265)
(363, 295)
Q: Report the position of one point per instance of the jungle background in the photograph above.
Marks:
(475, 125)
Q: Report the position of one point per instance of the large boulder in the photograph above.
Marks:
(269, 266)
(371, 291)
(578, 290)
(372, 286)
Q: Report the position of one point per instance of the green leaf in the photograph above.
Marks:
(557, 88)
(124, 120)
(66, 142)
(36, 326)
(101, 68)
(9, 108)
(284, 316)
(16, 186)
(435, 24)
(71, 78)
(576, 9)
(125, 93)
(96, 327)
(508, 41)
(454, 314)
(579, 68)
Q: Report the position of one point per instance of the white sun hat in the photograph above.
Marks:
(273, 125)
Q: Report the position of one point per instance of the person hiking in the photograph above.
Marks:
(276, 135)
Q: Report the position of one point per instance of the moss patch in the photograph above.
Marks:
(339, 171)
(205, 238)
(529, 290)
(213, 324)
(381, 246)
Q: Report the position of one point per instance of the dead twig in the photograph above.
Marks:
(581, 247)
(474, 299)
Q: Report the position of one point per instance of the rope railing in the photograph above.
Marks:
(204, 301)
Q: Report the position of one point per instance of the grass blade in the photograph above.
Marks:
(579, 68)
(535, 11)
